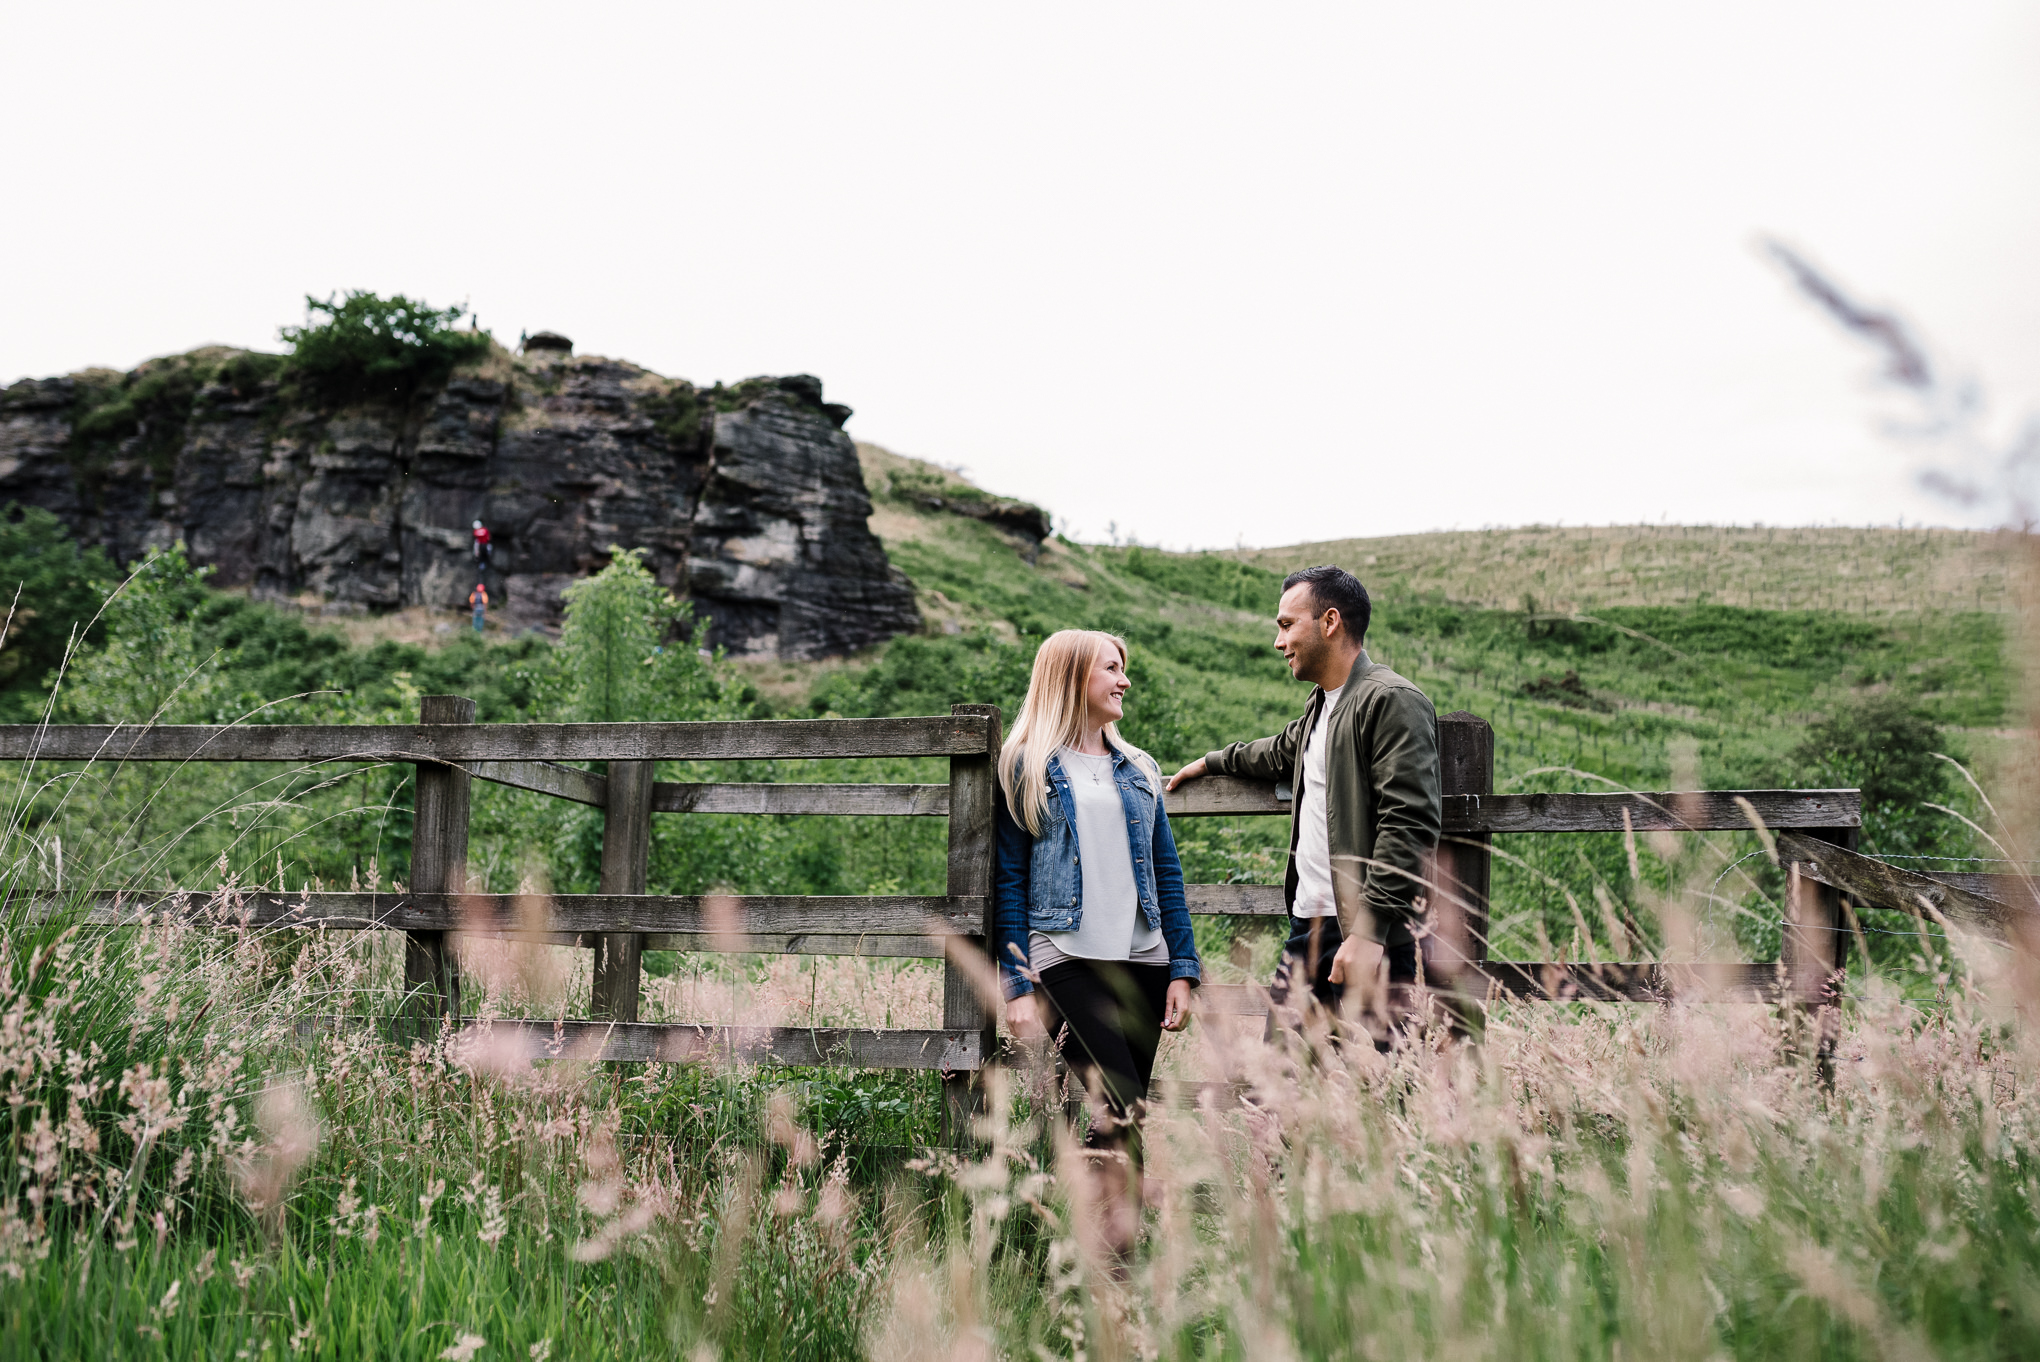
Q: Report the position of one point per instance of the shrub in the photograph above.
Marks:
(614, 647)
(155, 667)
(370, 347)
(1884, 745)
(55, 578)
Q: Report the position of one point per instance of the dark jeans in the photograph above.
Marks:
(1106, 1018)
(1305, 970)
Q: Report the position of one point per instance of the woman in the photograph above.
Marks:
(1093, 935)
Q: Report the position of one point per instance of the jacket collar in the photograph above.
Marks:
(1361, 665)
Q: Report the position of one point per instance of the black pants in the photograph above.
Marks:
(1306, 964)
(1106, 1017)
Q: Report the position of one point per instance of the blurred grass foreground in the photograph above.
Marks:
(194, 1173)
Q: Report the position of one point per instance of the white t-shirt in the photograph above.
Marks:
(1112, 926)
(1314, 897)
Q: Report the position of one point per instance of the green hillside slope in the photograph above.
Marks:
(1873, 571)
(1618, 696)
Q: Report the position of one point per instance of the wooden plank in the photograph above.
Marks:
(971, 850)
(1888, 886)
(1253, 900)
(1690, 811)
(912, 801)
(950, 1049)
(1214, 796)
(1541, 981)
(1537, 981)
(868, 944)
(1462, 865)
(2020, 893)
(439, 842)
(1813, 941)
(561, 782)
(626, 863)
(755, 916)
(1470, 814)
(957, 734)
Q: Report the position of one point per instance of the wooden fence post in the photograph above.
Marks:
(1457, 945)
(439, 839)
(626, 858)
(1813, 941)
(971, 849)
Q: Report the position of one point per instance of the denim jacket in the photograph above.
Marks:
(1038, 887)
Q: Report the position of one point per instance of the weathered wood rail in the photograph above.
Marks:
(1817, 829)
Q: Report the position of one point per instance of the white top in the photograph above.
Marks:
(1112, 927)
(1314, 897)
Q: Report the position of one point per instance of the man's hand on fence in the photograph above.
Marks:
(1191, 772)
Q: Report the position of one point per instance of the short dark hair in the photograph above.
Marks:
(1336, 588)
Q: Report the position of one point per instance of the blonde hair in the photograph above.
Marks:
(1054, 715)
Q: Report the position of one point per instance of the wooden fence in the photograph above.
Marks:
(621, 921)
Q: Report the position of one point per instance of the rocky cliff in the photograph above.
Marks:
(748, 498)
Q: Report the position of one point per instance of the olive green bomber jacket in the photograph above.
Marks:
(1382, 794)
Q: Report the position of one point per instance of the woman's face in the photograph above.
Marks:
(1105, 692)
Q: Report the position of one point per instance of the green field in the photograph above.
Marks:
(192, 1178)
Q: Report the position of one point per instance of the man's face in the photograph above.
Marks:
(1299, 631)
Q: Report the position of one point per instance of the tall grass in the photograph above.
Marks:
(198, 1173)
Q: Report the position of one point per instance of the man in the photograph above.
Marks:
(485, 548)
(1367, 813)
(478, 600)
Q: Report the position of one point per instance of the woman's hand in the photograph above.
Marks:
(1023, 1017)
(1176, 1008)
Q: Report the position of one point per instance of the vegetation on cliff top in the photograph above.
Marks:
(369, 347)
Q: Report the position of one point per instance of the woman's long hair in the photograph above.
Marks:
(1053, 715)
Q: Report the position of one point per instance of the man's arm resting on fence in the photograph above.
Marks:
(1270, 758)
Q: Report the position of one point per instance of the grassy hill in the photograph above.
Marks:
(1659, 655)
(1873, 571)
(1642, 654)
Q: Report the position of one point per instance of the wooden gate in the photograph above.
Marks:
(620, 922)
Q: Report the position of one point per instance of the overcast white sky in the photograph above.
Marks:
(1253, 273)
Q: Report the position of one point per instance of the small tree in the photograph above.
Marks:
(1884, 745)
(154, 667)
(368, 346)
(60, 589)
(634, 652)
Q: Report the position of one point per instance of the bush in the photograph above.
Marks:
(371, 347)
(155, 667)
(55, 578)
(615, 648)
(1884, 745)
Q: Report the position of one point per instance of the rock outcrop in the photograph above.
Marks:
(747, 499)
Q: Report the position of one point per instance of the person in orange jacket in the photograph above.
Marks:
(479, 600)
